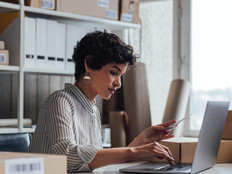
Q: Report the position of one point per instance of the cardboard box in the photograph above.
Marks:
(45, 4)
(129, 11)
(29, 162)
(4, 57)
(227, 133)
(98, 8)
(225, 152)
(2, 45)
(183, 150)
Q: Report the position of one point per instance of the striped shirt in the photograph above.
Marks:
(68, 124)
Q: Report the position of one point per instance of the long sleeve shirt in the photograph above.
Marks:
(68, 124)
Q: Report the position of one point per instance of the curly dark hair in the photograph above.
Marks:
(100, 48)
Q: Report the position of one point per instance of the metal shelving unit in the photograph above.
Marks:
(61, 17)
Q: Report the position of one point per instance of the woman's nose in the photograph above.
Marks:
(117, 83)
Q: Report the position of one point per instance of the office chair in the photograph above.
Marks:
(14, 142)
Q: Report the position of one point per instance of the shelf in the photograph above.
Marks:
(8, 7)
(8, 130)
(62, 17)
(48, 71)
(15, 130)
(9, 68)
(29, 130)
(112, 24)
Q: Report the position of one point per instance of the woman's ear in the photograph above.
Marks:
(88, 61)
(86, 64)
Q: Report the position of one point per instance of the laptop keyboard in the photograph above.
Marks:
(179, 167)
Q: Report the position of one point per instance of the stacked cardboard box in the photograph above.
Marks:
(4, 54)
(183, 150)
(2, 45)
(227, 133)
(12, 162)
(129, 11)
(98, 8)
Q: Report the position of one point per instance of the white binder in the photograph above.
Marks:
(41, 42)
(51, 44)
(60, 60)
(29, 60)
(73, 34)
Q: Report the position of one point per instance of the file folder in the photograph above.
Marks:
(41, 43)
(51, 44)
(29, 60)
(61, 32)
(73, 34)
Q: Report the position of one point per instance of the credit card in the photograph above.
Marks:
(176, 124)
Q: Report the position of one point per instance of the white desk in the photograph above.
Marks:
(217, 169)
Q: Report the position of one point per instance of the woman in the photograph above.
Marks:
(69, 122)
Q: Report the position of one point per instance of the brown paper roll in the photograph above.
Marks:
(118, 128)
(136, 100)
(177, 102)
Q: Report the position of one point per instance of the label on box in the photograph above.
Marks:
(48, 4)
(103, 3)
(24, 166)
(2, 58)
(126, 17)
(111, 14)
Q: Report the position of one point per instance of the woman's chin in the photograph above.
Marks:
(106, 97)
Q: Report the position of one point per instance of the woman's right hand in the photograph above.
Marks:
(151, 150)
(119, 155)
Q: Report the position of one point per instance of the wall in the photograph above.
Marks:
(157, 52)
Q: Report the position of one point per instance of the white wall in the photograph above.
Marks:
(157, 44)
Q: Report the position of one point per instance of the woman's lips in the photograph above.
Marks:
(112, 91)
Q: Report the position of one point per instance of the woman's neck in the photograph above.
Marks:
(85, 87)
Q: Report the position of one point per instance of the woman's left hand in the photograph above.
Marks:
(153, 133)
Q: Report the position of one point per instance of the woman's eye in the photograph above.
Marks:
(113, 72)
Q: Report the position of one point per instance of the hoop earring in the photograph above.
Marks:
(87, 77)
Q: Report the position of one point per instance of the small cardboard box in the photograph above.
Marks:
(4, 57)
(32, 163)
(227, 133)
(183, 150)
(2, 45)
(98, 8)
(129, 11)
(225, 152)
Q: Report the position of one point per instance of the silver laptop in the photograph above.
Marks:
(207, 147)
